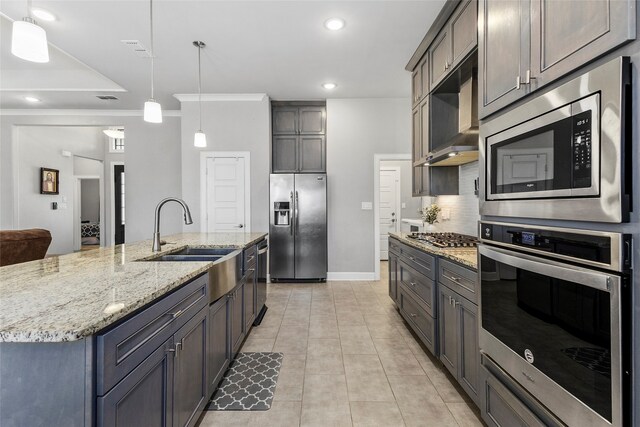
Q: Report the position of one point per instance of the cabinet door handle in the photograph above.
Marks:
(176, 314)
(528, 77)
(456, 303)
(170, 350)
(452, 278)
(517, 82)
(179, 345)
(413, 315)
(413, 284)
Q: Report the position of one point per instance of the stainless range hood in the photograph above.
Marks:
(458, 132)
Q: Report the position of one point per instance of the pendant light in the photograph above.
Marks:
(152, 109)
(199, 139)
(29, 40)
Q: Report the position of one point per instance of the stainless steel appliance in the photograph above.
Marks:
(564, 154)
(446, 240)
(555, 314)
(298, 227)
(261, 281)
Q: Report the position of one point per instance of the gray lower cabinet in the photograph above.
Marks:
(458, 332)
(169, 388)
(393, 275)
(249, 298)
(416, 315)
(219, 356)
(190, 371)
(236, 318)
(145, 396)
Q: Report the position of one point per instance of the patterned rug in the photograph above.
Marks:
(249, 383)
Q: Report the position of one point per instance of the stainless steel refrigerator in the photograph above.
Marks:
(298, 227)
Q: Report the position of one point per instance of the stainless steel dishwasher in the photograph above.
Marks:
(261, 279)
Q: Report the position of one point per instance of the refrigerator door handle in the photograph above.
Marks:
(292, 216)
(296, 208)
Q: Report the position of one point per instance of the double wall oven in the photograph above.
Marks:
(555, 312)
(556, 302)
(565, 154)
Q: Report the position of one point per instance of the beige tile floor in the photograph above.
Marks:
(349, 360)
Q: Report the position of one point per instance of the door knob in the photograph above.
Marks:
(240, 226)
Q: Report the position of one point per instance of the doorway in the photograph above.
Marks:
(118, 204)
(390, 206)
(225, 192)
(88, 213)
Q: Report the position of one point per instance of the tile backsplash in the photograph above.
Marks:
(463, 209)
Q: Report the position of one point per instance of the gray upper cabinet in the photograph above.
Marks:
(526, 45)
(565, 35)
(312, 153)
(416, 135)
(313, 120)
(424, 128)
(285, 121)
(285, 153)
(503, 52)
(440, 57)
(416, 86)
(298, 144)
(464, 30)
(190, 371)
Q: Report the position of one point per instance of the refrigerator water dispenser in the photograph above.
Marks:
(282, 213)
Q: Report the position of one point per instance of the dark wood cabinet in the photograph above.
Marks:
(236, 323)
(145, 396)
(393, 274)
(190, 371)
(298, 144)
(458, 327)
(250, 298)
(219, 355)
(535, 42)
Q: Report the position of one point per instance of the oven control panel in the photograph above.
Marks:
(581, 150)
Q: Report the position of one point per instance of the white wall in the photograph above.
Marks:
(356, 130)
(41, 146)
(463, 209)
(229, 126)
(152, 157)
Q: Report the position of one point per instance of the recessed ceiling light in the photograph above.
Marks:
(329, 86)
(31, 99)
(43, 15)
(334, 24)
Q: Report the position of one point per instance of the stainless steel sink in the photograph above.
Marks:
(225, 272)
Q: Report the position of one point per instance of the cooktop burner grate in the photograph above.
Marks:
(446, 240)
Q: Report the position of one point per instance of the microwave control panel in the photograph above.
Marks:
(581, 150)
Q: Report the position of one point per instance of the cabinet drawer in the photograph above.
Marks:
(416, 315)
(394, 246)
(124, 347)
(424, 263)
(249, 258)
(501, 408)
(460, 279)
(421, 285)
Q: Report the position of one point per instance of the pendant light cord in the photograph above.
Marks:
(153, 52)
(200, 85)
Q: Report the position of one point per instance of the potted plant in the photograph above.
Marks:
(430, 215)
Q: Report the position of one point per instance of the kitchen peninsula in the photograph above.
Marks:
(113, 326)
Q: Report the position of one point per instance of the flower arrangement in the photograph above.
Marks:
(430, 214)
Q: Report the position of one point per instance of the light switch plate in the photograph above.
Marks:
(367, 206)
(404, 205)
(445, 214)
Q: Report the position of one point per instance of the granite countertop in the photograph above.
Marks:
(69, 297)
(465, 256)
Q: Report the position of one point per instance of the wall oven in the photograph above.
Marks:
(555, 314)
(564, 154)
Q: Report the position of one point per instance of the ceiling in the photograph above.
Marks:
(280, 48)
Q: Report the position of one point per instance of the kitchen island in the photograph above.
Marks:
(100, 322)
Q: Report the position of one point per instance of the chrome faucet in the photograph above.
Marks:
(157, 246)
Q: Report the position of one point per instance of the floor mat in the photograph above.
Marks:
(249, 384)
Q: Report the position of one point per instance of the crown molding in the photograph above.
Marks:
(86, 112)
(208, 97)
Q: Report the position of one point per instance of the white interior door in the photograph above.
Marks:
(226, 207)
(389, 207)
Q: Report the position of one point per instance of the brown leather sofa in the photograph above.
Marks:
(23, 245)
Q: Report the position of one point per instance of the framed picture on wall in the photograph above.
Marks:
(49, 181)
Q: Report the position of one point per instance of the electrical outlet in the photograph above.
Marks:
(404, 205)
(445, 214)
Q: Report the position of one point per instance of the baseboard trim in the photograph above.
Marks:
(350, 276)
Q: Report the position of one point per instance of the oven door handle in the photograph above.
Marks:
(558, 270)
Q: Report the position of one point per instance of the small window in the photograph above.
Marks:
(117, 144)
(116, 139)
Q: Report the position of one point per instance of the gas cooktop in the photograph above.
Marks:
(446, 240)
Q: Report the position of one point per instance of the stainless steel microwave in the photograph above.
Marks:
(564, 154)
